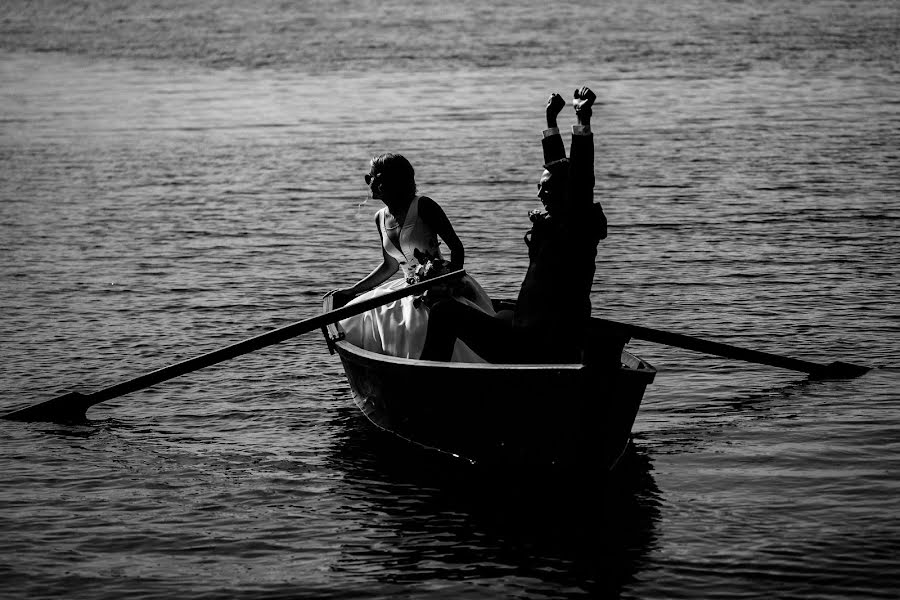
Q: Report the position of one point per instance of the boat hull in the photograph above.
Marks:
(552, 414)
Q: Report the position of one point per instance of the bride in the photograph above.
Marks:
(409, 226)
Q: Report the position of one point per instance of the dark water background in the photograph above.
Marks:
(178, 176)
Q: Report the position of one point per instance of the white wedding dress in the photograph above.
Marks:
(398, 328)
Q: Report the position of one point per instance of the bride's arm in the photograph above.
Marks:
(382, 273)
(434, 216)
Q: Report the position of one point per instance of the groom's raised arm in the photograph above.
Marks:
(554, 149)
(581, 167)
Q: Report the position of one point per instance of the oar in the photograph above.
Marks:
(72, 407)
(834, 370)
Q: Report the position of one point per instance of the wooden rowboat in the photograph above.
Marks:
(526, 414)
(498, 408)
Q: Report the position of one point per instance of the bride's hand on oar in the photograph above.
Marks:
(341, 296)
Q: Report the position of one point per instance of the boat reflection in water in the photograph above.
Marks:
(426, 519)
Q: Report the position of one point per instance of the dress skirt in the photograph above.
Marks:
(399, 327)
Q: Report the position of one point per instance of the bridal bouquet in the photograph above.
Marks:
(429, 267)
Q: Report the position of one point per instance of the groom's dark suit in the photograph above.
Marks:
(562, 247)
(553, 307)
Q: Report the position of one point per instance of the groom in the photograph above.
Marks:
(553, 308)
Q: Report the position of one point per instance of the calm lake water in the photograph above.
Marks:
(179, 176)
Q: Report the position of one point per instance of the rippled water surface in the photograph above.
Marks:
(175, 177)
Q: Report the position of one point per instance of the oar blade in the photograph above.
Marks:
(839, 370)
(68, 408)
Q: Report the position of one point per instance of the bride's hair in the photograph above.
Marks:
(396, 172)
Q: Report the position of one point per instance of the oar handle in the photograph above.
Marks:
(73, 404)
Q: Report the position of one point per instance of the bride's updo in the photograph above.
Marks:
(397, 174)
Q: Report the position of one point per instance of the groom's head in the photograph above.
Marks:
(553, 183)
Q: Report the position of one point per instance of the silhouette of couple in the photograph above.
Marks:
(550, 320)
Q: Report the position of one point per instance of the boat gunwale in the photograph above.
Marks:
(400, 361)
(345, 346)
(335, 337)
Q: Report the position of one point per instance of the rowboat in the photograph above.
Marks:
(481, 411)
(525, 414)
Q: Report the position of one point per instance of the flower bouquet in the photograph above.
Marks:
(430, 266)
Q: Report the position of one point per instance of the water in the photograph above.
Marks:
(175, 178)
